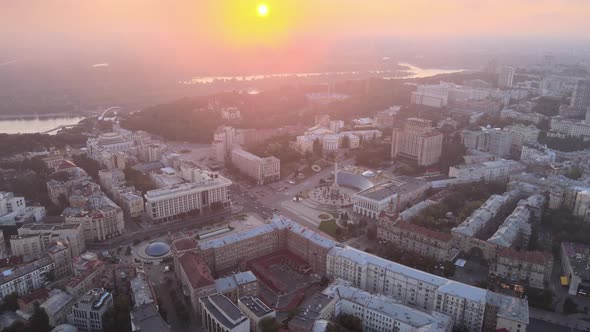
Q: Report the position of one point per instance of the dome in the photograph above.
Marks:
(65, 328)
(368, 174)
(157, 249)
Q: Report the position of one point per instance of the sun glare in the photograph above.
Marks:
(262, 10)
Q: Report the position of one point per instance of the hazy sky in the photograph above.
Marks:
(208, 31)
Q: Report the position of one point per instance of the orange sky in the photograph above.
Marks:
(211, 27)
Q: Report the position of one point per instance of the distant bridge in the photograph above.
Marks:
(114, 108)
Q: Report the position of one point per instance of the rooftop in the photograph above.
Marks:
(146, 318)
(399, 185)
(223, 285)
(15, 273)
(224, 311)
(391, 308)
(196, 270)
(57, 301)
(255, 305)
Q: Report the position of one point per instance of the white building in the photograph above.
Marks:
(231, 113)
(475, 308)
(417, 141)
(534, 118)
(207, 189)
(446, 93)
(522, 134)
(218, 313)
(255, 310)
(26, 278)
(381, 313)
(263, 170)
(537, 154)
(87, 313)
(575, 128)
(505, 77)
(487, 171)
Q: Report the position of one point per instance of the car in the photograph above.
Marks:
(291, 182)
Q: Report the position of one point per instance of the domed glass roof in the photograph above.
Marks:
(157, 249)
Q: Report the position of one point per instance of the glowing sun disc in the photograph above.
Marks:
(263, 10)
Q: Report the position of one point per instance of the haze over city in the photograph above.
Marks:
(288, 165)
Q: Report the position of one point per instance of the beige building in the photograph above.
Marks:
(487, 171)
(195, 278)
(63, 260)
(263, 170)
(417, 141)
(99, 224)
(132, 204)
(417, 239)
(238, 285)
(255, 310)
(533, 268)
(72, 235)
(205, 191)
(474, 308)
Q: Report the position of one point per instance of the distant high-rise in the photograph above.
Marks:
(418, 141)
(505, 77)
(581, 97)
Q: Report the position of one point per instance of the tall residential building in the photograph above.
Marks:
(100, 217)
(263, 170)
(417, 141)
(505, 77)
(581, 97)
(204, 191)
(86, 314)
(255, 310)
(493, 140)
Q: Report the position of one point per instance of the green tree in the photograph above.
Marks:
(88, 164)
(575, 173)
(39, 320)
(18, 326)
(10, 302)
(117, 318)
(345, 323)
(269, 324)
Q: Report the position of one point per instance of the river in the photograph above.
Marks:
(28, 125)
(413, 72)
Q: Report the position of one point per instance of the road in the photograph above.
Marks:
(155, 230)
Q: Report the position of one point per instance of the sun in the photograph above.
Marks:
(263, 10)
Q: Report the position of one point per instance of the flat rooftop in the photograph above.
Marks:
(224, 311)
(255, 305)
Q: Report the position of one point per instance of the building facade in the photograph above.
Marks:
(87, 313)
(417, 141)
(262, 170)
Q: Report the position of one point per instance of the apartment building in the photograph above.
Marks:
(418, 141)
(87, 313)
(204, 191)
(417, 239)
(100, 221)
(195, 278)
(43, 235)
(380, 313)
(537, 155)
(484, 220)
(487, 171)
(495, 141)
(534, 118)
(568, 127)
(26, 278)
(506, 76)
(532, 268)
(522, 135)
(475, 308)
(515, 231)
(255, 310)
(218, 313)
(57, 306)
(238, 285)
(262, 170)
(281, 233)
